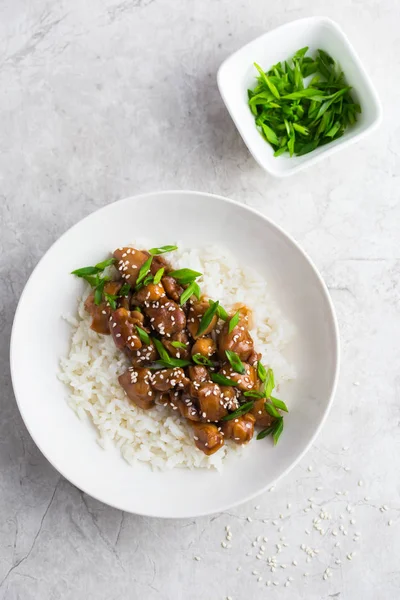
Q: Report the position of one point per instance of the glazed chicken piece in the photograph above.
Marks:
(204, 346)
(262, 417)
(158, 263)
(211, 404)
(136, 383)
(198, 373)
(101, 313)
(123, 329)
(240, 430)
(166, 317)
(129, 261)
(144, 355)
(254, 358)
(247, 381)
(195, 313)
(149, 293)
(239, 340)
(167, 379)
(207, 437)
(185, 404)
(229, 397)
(172, 288)
(177, 352)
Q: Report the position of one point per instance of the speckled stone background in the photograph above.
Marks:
(107, 98)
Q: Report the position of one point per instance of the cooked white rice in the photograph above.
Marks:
(159, 437)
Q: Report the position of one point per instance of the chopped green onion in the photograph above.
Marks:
(279, 404)
(269, 383)
(144, 269)
(124, 291)
(111, 299)
(233, 322)
(148, 279)
(222, 380)
(266, 432)
(98, 293)
(184, 276)
(162, 250)
(297, 119)
(271, 410)
(253, 394)
(199, 359)
(207, 318)
(106, 263)
(242, 410)
(235, 361)
(86, 271)
(158, 275)
(143, 335)
(178, 345)
(278, 431)
(165, 359)
(192, 289)
(261, 372)
(161, 350)
(221, 312)
(172, 363)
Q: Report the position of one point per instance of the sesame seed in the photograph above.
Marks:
(390, 522)
(310, 467)
(360, 483)
(197, 558)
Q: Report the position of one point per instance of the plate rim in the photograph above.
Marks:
(335, 331)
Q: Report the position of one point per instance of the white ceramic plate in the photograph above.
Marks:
(237, 74)
(40, 337)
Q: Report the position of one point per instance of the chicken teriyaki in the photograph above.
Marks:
(185, 350)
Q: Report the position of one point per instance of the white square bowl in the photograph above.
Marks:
(237, 74)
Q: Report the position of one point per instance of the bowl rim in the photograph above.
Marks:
(335, 331)
(327, 150)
